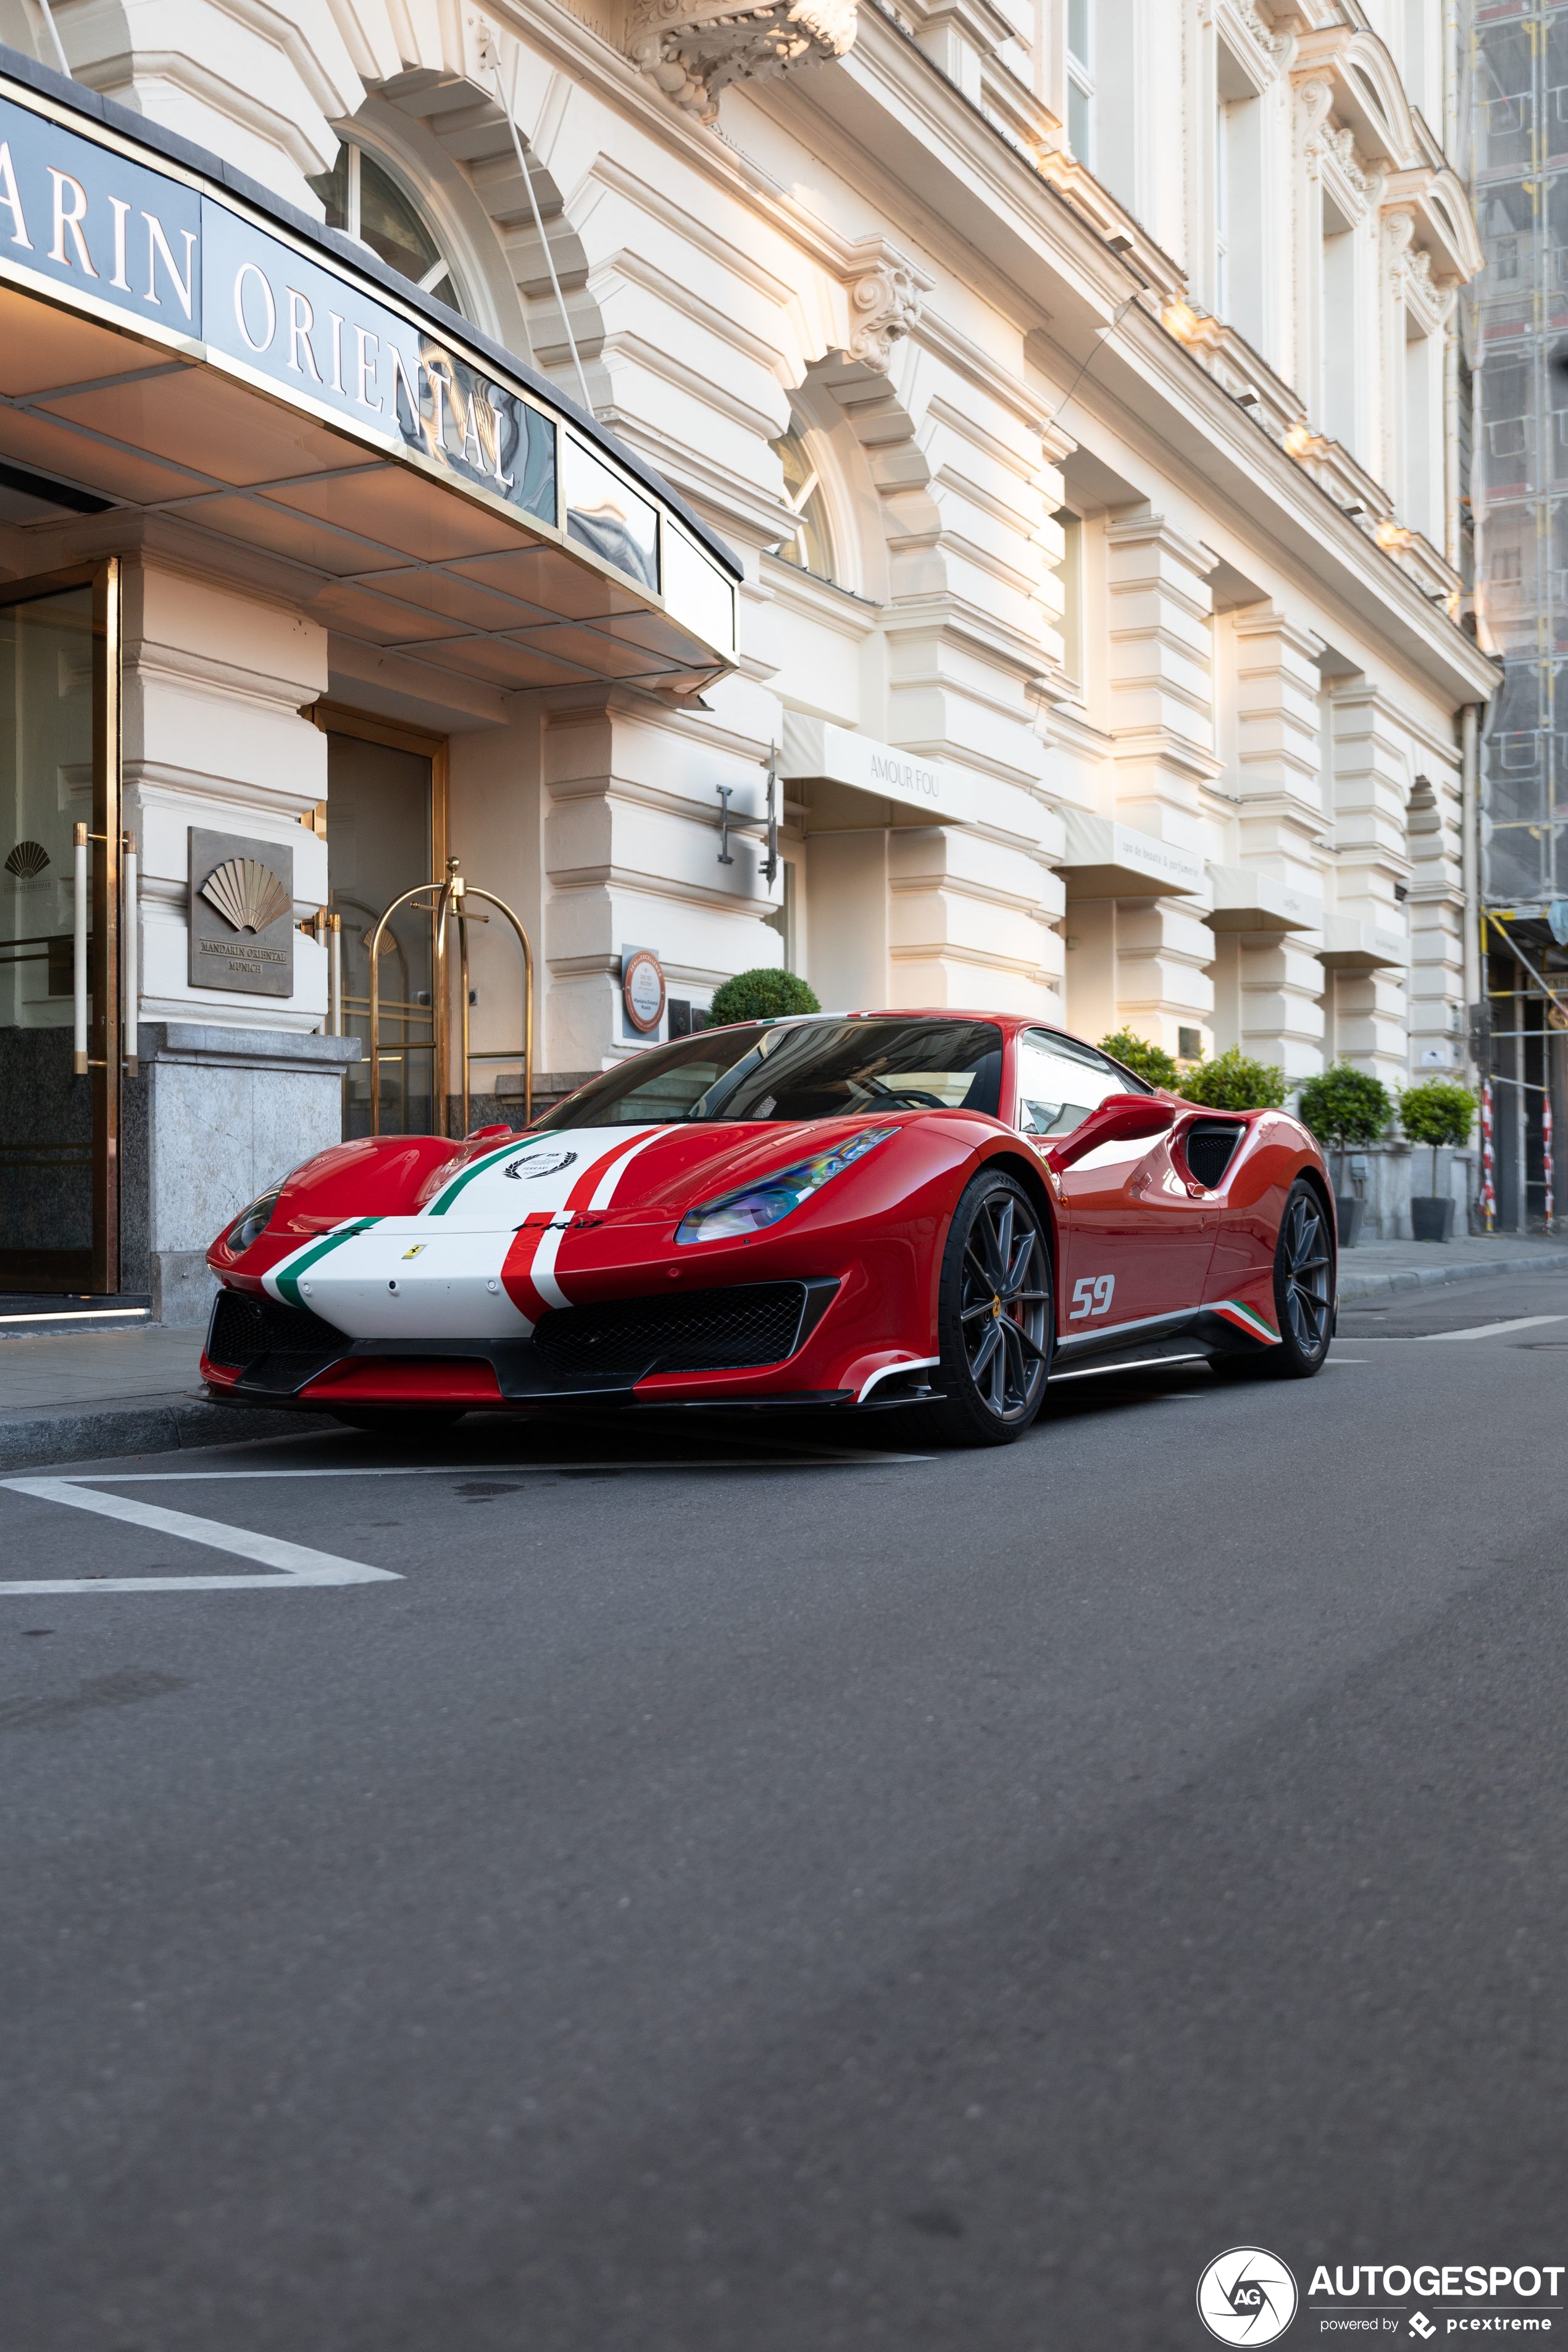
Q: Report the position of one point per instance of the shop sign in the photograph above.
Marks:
(241, 914)
(815, 750)
(113, 233)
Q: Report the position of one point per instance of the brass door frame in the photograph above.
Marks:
(339, 719)
(336, 718)
(105, 1072)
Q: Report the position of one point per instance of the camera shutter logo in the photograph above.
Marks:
(247, 894)
(1247, 2295)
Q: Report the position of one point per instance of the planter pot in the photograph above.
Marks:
(1431, 1218)
(1351, 1213)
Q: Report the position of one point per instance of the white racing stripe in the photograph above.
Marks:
(542, 1268)
(295, 1566)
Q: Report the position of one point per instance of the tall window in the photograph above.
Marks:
(1337, 329)
(1081, 80)
(365, 202)
(1422, 388)
(810, 546)
(1070, 573)
(1239, 202)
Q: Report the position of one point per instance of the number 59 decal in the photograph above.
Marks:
(1091, 1296)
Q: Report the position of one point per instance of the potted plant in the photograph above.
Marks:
(767, 992)
(1233, 1082)
(1344, 1105)
(1438, 1111)
(1144, 1061)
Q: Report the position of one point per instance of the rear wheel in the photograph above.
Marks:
(1303, 1296)
(994, 1318)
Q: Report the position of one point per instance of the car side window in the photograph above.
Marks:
(1060, 1082)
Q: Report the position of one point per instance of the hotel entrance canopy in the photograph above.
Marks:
(173, 340)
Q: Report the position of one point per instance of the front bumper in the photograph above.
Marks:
(738, 1344)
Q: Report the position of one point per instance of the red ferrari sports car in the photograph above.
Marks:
(947, 1210)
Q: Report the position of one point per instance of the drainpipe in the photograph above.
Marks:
(1471, 848)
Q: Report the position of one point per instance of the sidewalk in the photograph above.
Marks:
(74, 1397)
(1380, 1269)
(79, 1398)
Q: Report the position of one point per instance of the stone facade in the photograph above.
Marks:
(1118, 386)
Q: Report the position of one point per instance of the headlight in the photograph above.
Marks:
(762, 1205)
(253, 1221)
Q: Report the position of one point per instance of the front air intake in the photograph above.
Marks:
(275, 1347)
(707, 1331)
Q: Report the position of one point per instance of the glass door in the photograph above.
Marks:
(59, 1194)
(386, 811)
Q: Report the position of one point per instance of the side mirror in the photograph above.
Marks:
(1120, 1118)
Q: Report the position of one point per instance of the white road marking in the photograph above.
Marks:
(826, 1461)
(295, 1566)
(1476, 1331)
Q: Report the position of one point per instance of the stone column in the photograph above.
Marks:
(1163, 735)
(1279, 977)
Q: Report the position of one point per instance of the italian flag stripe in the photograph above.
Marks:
(287, 1277)
(1249, 1320)
(444, 1200)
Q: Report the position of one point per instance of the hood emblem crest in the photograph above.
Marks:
(542, 1163)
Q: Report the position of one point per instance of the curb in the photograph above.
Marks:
(1413, 1277)
(157, 1425)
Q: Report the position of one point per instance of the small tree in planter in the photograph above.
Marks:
(1344, 1105)
(1438, 1111)
(768, 992)
(1145, 1061)
(1232, 1082)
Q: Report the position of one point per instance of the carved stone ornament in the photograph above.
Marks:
(883, 306)
(692, 49)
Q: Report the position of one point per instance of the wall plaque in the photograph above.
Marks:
(642, 990)
(242, 914)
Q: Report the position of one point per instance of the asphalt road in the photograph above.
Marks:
(770, 1902)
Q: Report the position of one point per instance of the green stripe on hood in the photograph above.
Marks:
(287, 1277)
(444, 1200)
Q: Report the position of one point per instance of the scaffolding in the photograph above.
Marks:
(1514, 130)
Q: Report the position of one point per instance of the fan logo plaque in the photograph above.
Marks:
(241, 914)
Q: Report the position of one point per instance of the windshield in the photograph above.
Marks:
(805, 1069)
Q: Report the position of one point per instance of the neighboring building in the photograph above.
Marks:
(1515, 129)
(1070, 383)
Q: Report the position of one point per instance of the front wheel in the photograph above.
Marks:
(996, 1320)
(1303, 1296)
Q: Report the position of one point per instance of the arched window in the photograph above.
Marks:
(811, 547)
(364, 201)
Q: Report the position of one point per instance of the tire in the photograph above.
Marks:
(995, 1317)
(401, 1420)
(1303, 1297)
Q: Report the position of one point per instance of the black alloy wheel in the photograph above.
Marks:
(1303, 1295)
(994, 1318)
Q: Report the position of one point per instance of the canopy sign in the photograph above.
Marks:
(84, 218)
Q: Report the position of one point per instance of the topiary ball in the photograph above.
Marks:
(1145, 1061)
(766, 993)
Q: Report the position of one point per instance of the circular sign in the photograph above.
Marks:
(642, 990)
(1247, 2296)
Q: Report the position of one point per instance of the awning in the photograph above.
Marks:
(174, 340)
(1351, 945)
(856, 782)
(1247, 900)
(1106, 859)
